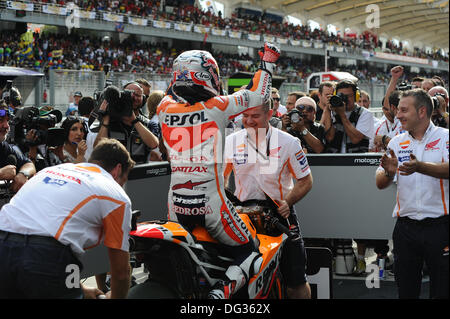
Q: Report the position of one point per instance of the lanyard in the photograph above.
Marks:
(255, 147)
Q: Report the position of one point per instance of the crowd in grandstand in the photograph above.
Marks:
(81, 52)
(185, 11)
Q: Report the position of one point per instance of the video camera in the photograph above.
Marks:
(436, 103)
(338, 100)
(120, 102)
(11, 95)
(28, 118)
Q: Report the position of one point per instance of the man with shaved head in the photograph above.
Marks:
(310, 133)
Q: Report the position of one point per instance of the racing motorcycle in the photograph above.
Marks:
(185, 265)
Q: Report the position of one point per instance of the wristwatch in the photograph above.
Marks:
(305, 132)
(134, 121)
(24, 174)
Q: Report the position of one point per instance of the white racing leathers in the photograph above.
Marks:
(194, 137)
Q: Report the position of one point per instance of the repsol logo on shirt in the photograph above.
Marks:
(185, 119)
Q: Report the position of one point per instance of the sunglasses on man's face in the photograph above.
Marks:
(307, 108)
(4, 113)
(276, 99)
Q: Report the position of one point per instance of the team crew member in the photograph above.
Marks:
(391, 126)
(14, 166)
(265, 160)
(193, 119)
(419, 159)
(59, 214)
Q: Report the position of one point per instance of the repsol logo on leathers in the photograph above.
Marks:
(185, 119)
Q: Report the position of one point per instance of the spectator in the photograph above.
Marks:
(326, 90)
(75, 131)
(416, 82)
(421, 232)
(39, 239)
(364, 99)
(85, 108)
(73, 107)
(146, 86)
(427, 84)
(154, 126)
(152, 103)
(351, 126)
(391, 126)
(437, 80)
(278, 108)
(292, 98)
(275, 121)
(315, 96)
(310, 132)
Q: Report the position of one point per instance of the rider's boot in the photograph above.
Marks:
(236, 276)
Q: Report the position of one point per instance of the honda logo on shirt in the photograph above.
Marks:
(431, 146)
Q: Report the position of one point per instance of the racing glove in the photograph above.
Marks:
(269, 55)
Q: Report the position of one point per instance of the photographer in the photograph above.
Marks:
(10, 159)
(11, 96)
(303, 125)
(348, 125)
(128, 127)
(440, 99)
(36, 135)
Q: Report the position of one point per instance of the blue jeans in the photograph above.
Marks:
(34, 268)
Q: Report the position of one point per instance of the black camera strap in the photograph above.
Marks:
(255, 147)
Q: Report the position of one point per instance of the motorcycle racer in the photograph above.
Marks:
(193, 117)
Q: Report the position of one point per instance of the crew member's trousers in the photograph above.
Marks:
(416, 242)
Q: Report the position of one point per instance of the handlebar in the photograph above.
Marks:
(269, 213)
(274, 221)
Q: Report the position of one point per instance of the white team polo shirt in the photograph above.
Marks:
(267, 169)
(388, 128)
(420, 196)
(80, 205)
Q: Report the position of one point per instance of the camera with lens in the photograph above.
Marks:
(28, 118)
(11, 95)
(435, 100)
(120, 102)
(338, 100)
(404, 86)
(295, 116)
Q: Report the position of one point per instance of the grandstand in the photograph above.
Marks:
(81, 43)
